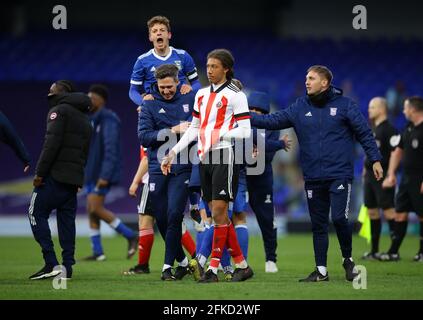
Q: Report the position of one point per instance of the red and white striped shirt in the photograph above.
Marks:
(220, 114)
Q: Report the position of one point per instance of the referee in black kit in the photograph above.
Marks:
(59, 174)
(376, 197)
(410, 193)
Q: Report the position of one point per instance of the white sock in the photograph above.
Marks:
(202, 260)
(242, 265)
(323, 270)
(166, 266)
(213, 269)
(114, 224)
(183, 263)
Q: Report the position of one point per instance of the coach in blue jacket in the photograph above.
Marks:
(260, 187)
(326, 124)
(169, 112)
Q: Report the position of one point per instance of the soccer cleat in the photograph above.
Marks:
(350, 270)
(208, 277)
(389, 257)
(195, 215)
(132, 247)
(45, 273)
(199, 224)
(195, 269)
(242, 274)
(228, 276)
(271, 267)
(418, 257)
(371, 256)
(167, 275)
(316, 276)
(138, 269)
(95, 257)
(181, 272)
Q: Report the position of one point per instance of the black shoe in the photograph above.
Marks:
(371, 256)
(242, 274)
(95, 257)
(350, 271)
(167, 275)
(138, 269)
(181, 272)
(418, 257)
(132, 247)
(196, 269)
(316, 276)
(209, 276)
(389, 257)
(195, 215)
(45, 273)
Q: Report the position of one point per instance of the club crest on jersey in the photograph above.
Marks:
(186, 108)
(333, 111)
(53, 116)
(415, 143)
(178, 63)
(219, 105)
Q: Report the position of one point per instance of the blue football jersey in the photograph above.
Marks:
(146, 64)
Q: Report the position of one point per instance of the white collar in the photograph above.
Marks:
(165, 57)
(217, 86)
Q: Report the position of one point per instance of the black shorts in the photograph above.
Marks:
(409, 198)
(377, 197)
(144, 205)
(219, 175)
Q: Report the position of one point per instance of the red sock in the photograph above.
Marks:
(188, 243)
(145, 243)
(233, 245)
(219, 240)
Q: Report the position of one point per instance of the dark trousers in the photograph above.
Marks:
(169, 195)
(260, 197)
(322, 196)
(62, 197)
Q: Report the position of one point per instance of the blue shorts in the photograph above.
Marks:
(91, 188)
(194, 181)
(241, 200)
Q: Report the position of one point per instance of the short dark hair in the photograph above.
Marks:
(65, 86)
(322, 71)
(160, 20)
(101, 90)
(226, 58)
(416, 102)
(165, 71)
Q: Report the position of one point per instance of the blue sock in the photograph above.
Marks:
(242, 235)
(199, 238)
(206, 244)
(121, 228)
(96, 242)
(226, 258)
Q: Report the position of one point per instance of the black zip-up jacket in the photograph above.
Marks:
(67, 139)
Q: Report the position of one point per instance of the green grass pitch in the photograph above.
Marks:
(21, 257)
